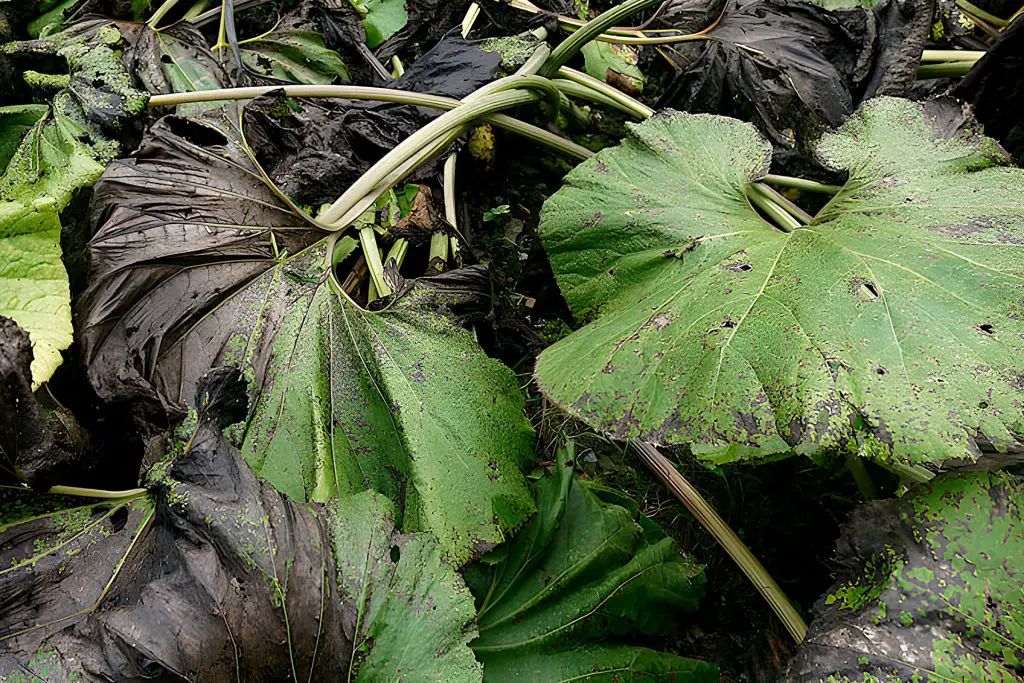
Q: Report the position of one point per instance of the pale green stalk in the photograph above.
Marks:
(782, 220)
(161, 12)
(101, 494)
(627, 103)
(943, 70)
(726, 537)
(368, 239)
(931, 56)
(801, 184)
(591, 30)
(352, 92)
(792, 209)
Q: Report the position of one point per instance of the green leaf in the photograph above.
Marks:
(616, 64)
(889, 327)
(15, 121)
(293, 53)
(383, 19)
(581, 572)
(53, 18)
(414, 613)
(218, 272)
(47, 163)
(938, 596)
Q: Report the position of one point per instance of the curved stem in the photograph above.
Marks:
(353, 92)
(591, 30)
(96, 493)
(800, 184)
(452, 121)
(726, 537)
(602, 92)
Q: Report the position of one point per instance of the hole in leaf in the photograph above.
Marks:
(983, 405)
(728, 324)
(864, 290)
(987, 329)
(166, 59)
(880, 371)
(396, 554)
(118, 519)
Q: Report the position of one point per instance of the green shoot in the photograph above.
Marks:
(160, 13)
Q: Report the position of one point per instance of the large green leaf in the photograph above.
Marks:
(414, 613)
(197, 264)
(581, 572)
(63, 151)
(890, 327)
(935, 594)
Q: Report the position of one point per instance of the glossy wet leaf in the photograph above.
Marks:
(294, 53)
(584, 572)
(197, 264)
(933, 590)
(47, 163)
(414, 613)
(890, 327)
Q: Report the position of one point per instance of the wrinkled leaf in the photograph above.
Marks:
(787, 66)
(934, 591)
(197, 578)
(294, 53)
(315, 150)
(414, 612)
(890, 327)
(795, 70)
(196, 264)
(43, 542)
(61, 153)
(580, 573)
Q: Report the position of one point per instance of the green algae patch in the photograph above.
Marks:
(947, 607)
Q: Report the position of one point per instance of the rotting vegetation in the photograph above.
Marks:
(486, 341)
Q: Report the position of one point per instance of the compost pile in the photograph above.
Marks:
(335, 337)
